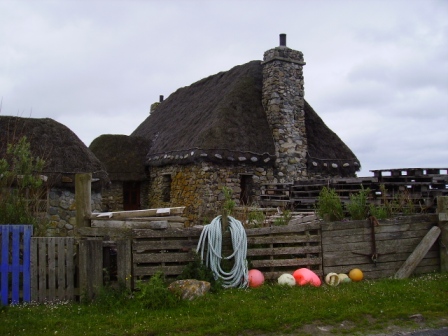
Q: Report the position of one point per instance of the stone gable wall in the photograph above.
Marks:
(198, 187)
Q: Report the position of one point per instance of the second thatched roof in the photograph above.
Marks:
(64, 153)
(122, 155)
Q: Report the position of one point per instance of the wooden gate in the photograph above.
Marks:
(53, 269)
(15, 263)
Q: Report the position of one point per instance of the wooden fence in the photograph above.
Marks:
(53, 269)
(273, 250)
(378, 250)
(68, 268)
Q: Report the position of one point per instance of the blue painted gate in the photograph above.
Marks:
(15, 241)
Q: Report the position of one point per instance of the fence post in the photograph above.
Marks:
(124, 263)
(83, 183)
(90, 267)
(442, 209)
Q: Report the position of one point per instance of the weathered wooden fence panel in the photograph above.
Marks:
(283, 249)
(349, 244)
(274, 250)
(168, 251)
(90, 267)
(15, 263)
(53, 269)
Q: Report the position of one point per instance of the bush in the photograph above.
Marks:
(21, 186)
(329, 206)
(199, 271)
(154, 294)
(358, 208)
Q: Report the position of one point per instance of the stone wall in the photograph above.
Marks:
(283, 101)
(62, 211)
(199, 186)
(113, 197)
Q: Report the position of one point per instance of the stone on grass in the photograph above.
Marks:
(189, 289)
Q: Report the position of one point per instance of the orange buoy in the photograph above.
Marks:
(356, 274)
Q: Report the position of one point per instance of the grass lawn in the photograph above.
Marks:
(360, 308)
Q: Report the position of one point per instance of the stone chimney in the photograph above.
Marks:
(284, 102)
(154, 106)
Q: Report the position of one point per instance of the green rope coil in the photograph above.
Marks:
(210, 244)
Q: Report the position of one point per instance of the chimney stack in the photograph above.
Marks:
(282, 40)
(160, 98)
(284, 103)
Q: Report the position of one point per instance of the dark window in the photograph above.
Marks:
(166, 188)
(246, 185)
(131, 195)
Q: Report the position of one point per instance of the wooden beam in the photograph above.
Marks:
(83, 184)
(138, 213)
(420, 251)
(124, 263)
(90, 267)
(442, 209)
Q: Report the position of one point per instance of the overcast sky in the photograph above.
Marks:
(376, 72)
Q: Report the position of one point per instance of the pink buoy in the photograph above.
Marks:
(256, 278)
(304, 276)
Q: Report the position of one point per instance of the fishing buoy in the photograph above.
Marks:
(256, 278)
(304, 276)
(356, 274)
(344, 278)
(332, 279)
(286, 279)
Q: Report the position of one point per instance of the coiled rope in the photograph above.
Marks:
(211, 237)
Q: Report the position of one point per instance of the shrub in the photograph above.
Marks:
(284, 219)
(380, 212)
(154, 294)
(196, 269)
(329, 206)
(358, 208)
(21, 186)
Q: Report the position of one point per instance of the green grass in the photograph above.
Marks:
(270, 309)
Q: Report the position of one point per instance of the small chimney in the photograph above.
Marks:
(160, 98)
(282, 40)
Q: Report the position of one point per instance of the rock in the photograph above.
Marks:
(417, 318)
(189, 289)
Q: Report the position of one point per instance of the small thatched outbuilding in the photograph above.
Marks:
(124, 159)
(64, 155)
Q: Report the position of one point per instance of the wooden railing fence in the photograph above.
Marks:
(53, 269)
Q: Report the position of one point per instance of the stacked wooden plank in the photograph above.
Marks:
(119, 225)
(412, 187)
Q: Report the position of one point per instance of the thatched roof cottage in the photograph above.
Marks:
(241, 128)
(65, 155)
(124, 159)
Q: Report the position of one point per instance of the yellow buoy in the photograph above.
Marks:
(356, 274)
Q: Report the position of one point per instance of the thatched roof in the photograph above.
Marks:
(122, 155)
(221, 118)
(64, 153)
(326, 151)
